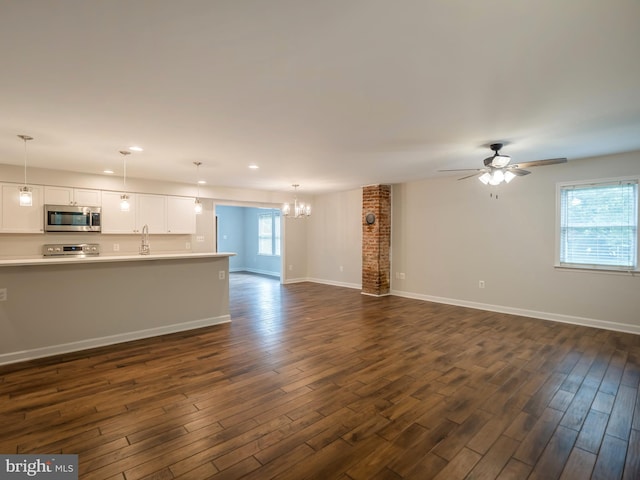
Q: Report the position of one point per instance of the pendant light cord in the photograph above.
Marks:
(25, 162)
(25, 138)
(124, 154)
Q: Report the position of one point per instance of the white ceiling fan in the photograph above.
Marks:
(498, 168)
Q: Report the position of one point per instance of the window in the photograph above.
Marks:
(269, 233)
(599, 225)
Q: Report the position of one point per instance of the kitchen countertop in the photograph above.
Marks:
(40, 260)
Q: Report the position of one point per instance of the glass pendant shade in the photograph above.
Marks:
(197, 206)
(26, 197)
(124, 203)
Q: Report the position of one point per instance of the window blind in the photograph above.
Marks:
(599, 224)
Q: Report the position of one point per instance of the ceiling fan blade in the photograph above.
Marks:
(518, 171)
(469, 176)
(540, 163)
(464, 170)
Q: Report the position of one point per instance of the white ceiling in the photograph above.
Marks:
(330, 94)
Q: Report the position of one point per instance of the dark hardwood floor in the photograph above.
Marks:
(316, 381)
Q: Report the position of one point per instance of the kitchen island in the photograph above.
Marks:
(56, 305)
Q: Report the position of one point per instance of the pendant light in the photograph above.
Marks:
(124, 198)
(300, 210)
(26, 196)
(197, 205)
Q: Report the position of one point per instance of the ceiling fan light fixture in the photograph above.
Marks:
(485, 177)
(497, 177)
(508, 176)
(500, 161)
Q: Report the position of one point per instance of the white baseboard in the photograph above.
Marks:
(24, 355)
(255, 270)
(554, 317)
(336, 284)
(295, 280)
(262, 272)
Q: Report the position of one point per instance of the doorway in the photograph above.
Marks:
(254, 234)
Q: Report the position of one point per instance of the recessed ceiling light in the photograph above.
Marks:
(136, 149)
(108, 171)
(254, 167)
(202, 182)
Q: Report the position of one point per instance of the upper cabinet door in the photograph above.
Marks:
(181, 216)
(17, 219)
(152, 211)
(113, 219)
(87, 198)
(72, 196)
(58, 195)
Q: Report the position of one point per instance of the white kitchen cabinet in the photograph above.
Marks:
(113, 219)
(72, 196)
(181, 216)
(17, 219)
(163, 214)
(151, 211)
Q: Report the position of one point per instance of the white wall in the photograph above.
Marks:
(294, 249)
(335, 239)
(449, 234)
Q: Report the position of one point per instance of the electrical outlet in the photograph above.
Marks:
(187, 245)
(341, 268)
(3, 294)
(402, 277)
(291, 268)
(221, 274)
(481, 284)
(116, 247)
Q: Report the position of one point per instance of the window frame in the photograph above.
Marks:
(601, 182)
(276, 234)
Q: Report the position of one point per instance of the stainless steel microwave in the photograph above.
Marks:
(72, 218)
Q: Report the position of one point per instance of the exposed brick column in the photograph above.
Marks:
(376, 240)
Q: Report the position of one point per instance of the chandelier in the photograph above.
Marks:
(300, 210)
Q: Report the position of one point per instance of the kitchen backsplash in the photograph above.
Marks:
(30, 245)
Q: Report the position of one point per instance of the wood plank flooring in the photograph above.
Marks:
(321, 382)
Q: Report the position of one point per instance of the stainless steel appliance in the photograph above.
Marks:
(79, 249)
(71, 218)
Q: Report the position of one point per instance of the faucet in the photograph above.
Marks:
(144, 245)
